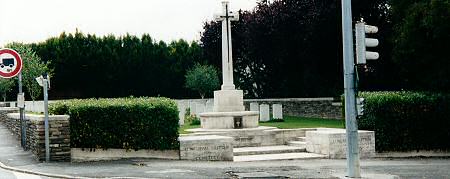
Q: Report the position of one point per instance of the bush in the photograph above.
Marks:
(191, 119)
(125, 123)
(406, 121)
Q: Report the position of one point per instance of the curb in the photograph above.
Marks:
(3, 166)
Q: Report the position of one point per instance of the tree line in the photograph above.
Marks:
(291, 48)
(89, 66)
(282, 48)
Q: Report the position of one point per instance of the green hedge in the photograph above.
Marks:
(407, 121)
(126, 123)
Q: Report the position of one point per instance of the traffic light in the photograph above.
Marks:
(360, 106)
(362, 42)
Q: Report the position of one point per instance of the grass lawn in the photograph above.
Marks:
(303, 122)
(289, 123)
(182, 128)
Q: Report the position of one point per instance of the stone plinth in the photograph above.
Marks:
(228, 100)
(229, 120)
(207, 148)
(333, 142)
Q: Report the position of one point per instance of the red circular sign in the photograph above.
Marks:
(10, 63)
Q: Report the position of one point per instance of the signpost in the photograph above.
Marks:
(11, 66)
(353, 165)
(44, 81)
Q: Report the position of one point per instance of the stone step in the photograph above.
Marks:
(297, 143)
(284, 156)
(300, 139)
(277, 149)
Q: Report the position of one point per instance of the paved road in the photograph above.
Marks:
(6, 174)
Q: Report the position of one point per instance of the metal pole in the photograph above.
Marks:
(353, 165)
(23, 129)
(47, 140)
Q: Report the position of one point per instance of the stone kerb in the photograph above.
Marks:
(206, 148)
(59, 133)
(87, 155)
(333, 143)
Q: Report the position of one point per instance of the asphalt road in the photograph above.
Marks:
(318, 168)
(6, 174)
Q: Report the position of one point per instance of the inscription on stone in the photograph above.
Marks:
(211, 147)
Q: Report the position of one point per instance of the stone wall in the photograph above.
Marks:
(59, 134)
(11, 124)
(304, 107)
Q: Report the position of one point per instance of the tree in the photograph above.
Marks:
(279, 49)
(33, 67)
(6, 85)
(422, 43)
(202, 78)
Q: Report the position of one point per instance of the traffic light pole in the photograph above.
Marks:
(353, 166)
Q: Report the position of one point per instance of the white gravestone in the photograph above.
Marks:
(192, 107)
(182, 111)
(199, 108)
(209, 105)
(254, 107)
(277, 111)
(264, 112)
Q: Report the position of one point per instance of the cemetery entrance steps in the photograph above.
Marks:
(277, 149)
(270, 143)
(296, 149)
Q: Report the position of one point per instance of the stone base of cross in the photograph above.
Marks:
(228, 101)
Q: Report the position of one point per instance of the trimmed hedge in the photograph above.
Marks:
(407, 121)
(124, 123)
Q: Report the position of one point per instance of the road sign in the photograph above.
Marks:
(10, 63)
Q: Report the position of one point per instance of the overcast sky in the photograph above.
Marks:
(36, 20)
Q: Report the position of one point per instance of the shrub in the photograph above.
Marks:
(191, 119)
(405, 121)
(126, 123)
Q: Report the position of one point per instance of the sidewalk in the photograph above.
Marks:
(13, 157)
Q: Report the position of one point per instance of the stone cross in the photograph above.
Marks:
(227, 61)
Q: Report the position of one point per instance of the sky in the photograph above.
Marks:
(36, 20)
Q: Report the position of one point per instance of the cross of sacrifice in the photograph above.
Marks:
(227, 58)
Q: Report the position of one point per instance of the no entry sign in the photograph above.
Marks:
(10, 63)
